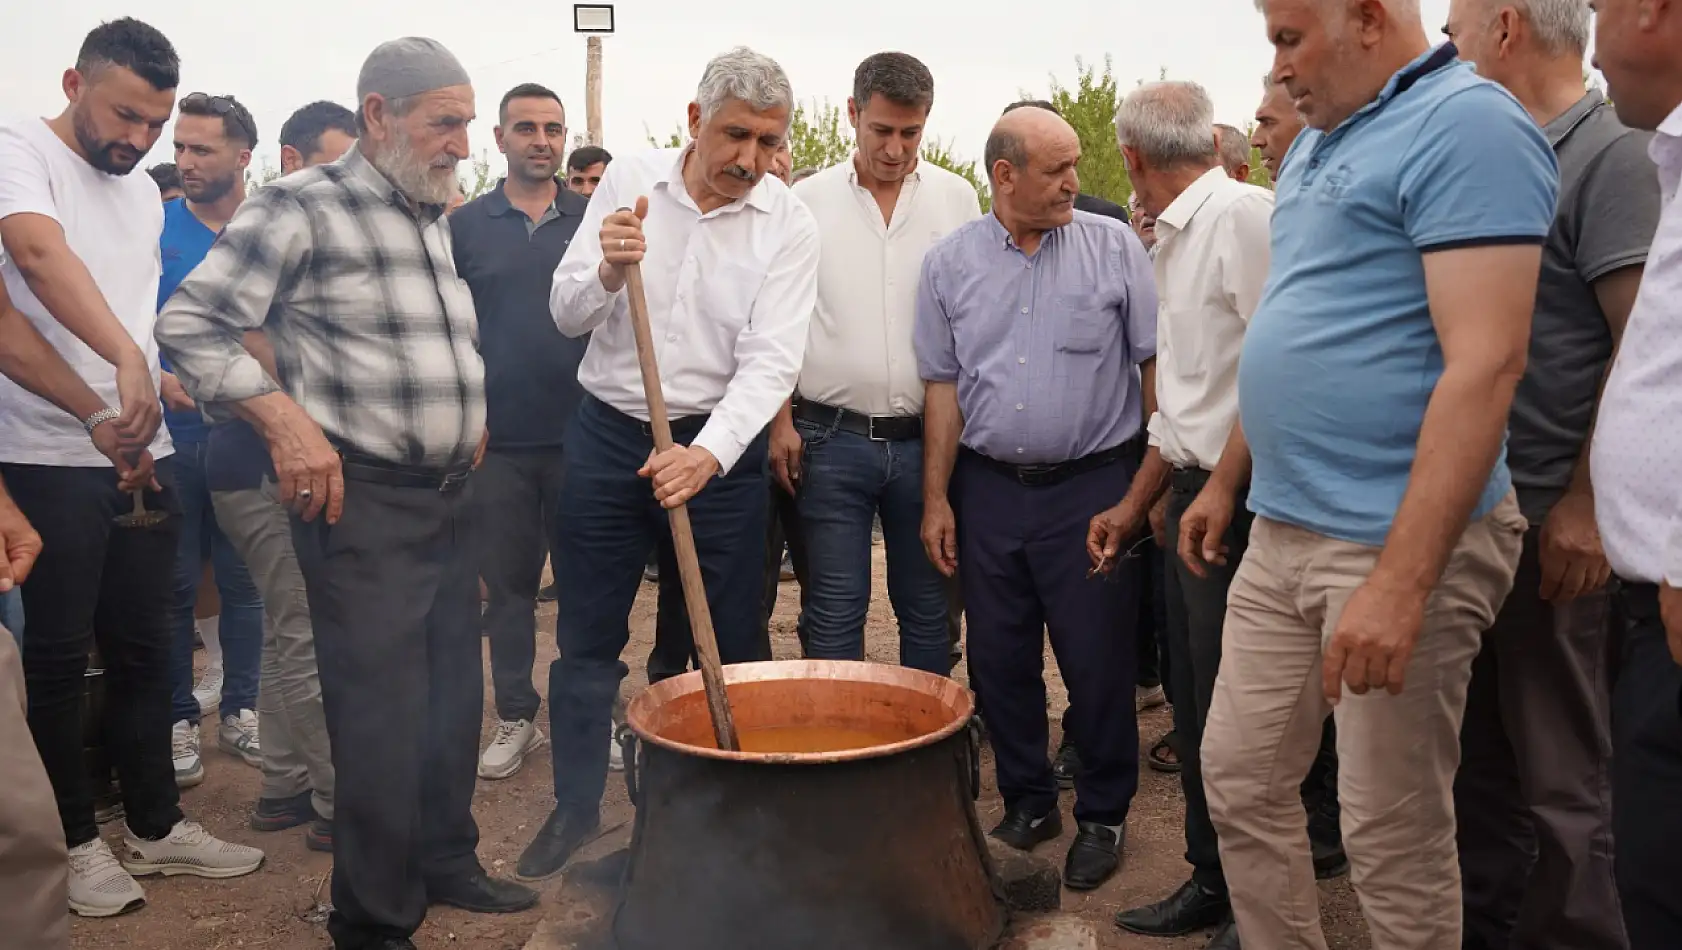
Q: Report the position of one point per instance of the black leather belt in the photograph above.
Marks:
(1053, 473)
(1189, 480)
(874, 428)
(379, 472)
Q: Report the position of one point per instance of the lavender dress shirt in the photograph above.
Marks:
(1044, 347)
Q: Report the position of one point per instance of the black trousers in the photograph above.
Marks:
(1534, 791)
(1024, 573)
(782, 527)
(394, 602)
(1646, 773)
(515, 494)
(607, 521)
(99, 583)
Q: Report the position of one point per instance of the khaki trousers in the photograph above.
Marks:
(34, 870)
(1397, 754)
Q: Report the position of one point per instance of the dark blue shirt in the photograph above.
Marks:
(531, 369)
(184, 242)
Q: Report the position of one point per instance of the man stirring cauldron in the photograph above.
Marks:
(730, 263)
(1029, 324)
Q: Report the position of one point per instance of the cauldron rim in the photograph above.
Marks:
(942, 688)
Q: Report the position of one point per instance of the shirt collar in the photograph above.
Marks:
(497, 203)
(853, 169)
(1405, 78)
(361, 170)
(1181, 210)
(758, 198)
(1567, 122)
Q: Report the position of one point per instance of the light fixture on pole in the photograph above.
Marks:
(594, 20)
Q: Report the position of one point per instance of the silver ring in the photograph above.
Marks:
(621, 244)
(306, 494)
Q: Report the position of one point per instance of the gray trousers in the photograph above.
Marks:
(33, 873)
(1533, 793)
(297, 756)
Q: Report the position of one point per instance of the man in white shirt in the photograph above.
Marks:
(850, 444)
(729, 261)
(81, 262)
(1636, 454)
(1211, 262)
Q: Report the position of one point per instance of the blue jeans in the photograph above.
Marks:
(11, 614)
(241, 626)
(846, 480)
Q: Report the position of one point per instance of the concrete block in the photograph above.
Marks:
(1029, 882)
(1050, 932)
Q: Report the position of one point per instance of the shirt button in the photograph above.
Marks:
(672, 337)
(1022, 359)
(1019, 450)
(1024, 309)
(1018, 407)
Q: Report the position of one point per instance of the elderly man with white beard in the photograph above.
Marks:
(348, 270)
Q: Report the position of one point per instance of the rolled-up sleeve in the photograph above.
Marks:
(770, 350)
(577, 300)
(931, 334)
(201, 328)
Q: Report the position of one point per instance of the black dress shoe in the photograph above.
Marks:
(479, 893)
(1066, 765)
(563, 834)
(393, 943)
(1225, 938)
(1023, 831)
(1093, 857)
(1192, 907)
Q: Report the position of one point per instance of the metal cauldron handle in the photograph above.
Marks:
(974, 750)
(629, 746)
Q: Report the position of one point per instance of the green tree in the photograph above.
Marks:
(1090, 106)
(936, 152)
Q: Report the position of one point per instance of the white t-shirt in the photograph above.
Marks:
(112, 222)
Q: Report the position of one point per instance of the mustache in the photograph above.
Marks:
(740, 172)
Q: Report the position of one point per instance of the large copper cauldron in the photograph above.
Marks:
(874, 848)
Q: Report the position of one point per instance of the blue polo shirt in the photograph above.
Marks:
(1341, 356)
(182, 245)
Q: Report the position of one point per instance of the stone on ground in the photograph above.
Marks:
(1030, 882)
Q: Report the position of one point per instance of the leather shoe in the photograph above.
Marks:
(1093, 857)
(479, 893)
(1225, 938)
(1023, 831)
(1066, 764)
(1192, 907)
(562, 834)
(392, 943)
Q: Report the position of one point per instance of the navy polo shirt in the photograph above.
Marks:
(531, 369)
(1341, 356)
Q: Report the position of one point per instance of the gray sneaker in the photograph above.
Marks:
(238, 736)
(184, 749)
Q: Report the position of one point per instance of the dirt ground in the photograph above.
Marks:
(278, 907)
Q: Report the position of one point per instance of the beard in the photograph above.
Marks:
(414, 177)
(112, 158)
(209, 192)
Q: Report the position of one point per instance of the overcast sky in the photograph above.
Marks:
(277, 56)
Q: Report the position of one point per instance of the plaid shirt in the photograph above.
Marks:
(373, 332)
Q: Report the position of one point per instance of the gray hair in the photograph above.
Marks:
(1561, 26)
(743, 74)
(1169, 123)
(1234, 147)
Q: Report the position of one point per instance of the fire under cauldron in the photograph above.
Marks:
(873, 846)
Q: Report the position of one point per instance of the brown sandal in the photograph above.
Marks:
(1165, 755)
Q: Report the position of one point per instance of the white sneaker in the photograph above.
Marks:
(184, 747)
(238, 736)
(510, 745)
(99, 887)
(1150, 697)
(615, 752)
(188, 849)
(208, 692)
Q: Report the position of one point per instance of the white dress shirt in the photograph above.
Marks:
(858, 350)
(1211, 264)
(730, 294)
(1637, 453)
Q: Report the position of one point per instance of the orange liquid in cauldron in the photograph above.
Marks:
(769, 740)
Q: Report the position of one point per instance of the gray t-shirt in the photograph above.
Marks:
(1608, 211)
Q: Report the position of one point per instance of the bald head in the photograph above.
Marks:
(1031, 157)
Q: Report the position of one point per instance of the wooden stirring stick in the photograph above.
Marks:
(683, 536)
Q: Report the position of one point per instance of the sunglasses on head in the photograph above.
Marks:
(223, 106)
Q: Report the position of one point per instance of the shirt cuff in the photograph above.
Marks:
(1672, 567)
(717, 438)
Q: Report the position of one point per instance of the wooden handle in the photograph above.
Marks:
(683, 537)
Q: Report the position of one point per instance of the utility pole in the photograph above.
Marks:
(594, 20)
